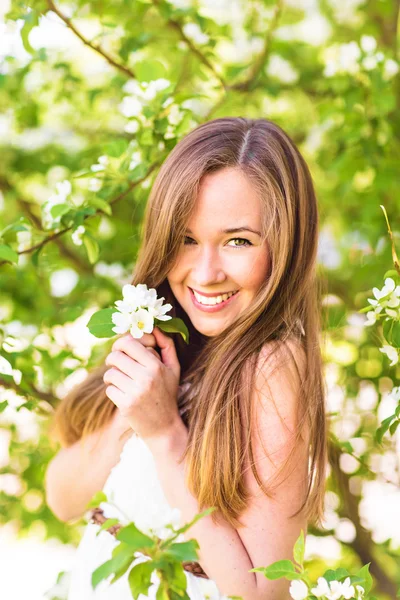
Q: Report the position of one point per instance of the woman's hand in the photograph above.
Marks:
(143, 385)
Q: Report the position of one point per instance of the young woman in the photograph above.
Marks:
(236, 418)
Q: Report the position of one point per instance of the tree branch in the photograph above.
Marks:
(362, 544)
(96, 47)
(55, 236)
(34, 392)
(245, 86)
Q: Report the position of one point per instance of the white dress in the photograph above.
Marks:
(136, 494)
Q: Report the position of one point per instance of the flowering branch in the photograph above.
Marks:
(54, 236)
(91, 45)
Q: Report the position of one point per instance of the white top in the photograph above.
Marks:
(133, 486)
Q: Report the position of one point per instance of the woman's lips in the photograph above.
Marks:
(211, 308)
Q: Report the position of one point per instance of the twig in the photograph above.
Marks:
(96, 47)
(54, 236)
(244, 86)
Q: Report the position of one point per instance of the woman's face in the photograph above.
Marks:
(213, 261)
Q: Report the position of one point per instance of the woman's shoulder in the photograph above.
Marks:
(283, 354)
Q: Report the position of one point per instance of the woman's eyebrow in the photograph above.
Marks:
(234, 230)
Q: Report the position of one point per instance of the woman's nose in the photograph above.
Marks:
(207, 267)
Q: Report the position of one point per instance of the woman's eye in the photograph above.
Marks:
(188, 241)
(246, 242)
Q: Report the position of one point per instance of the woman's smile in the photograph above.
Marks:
(212, 304)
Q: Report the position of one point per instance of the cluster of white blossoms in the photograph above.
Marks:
(64, 189)
(140, 94)
(352, 57)
(334, 590)
(138, 309)
(386, 302)
(387, 299)
(77, 235)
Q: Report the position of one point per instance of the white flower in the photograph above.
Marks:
(322, 588)
(371, 318)
(193, 32)
(63, 191)
(368, 43)
(158, 311)
(369, 63)
(138, 309)
(298, 590)
(131, 127)
(175, 115)
(155, 86)
(5, 366)
(77, 235)
(94, 184)
(122, 321)
(64, 188)
(387, 289)
(130, 107)
(102, 163)
(395, 393)
(347, 589)
(360, 591)
(391, 353)
(136, 159)
(390, 68)
(137, 323)
(170, 133)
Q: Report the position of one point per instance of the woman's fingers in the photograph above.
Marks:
(148, 340)
(124, 363)
(119, 380)
(140, 353)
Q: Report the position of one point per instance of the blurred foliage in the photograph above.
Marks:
(123, 82)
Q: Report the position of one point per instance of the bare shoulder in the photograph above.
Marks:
(276, 400)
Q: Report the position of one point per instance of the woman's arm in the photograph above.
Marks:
(76, 473)
(227, 554)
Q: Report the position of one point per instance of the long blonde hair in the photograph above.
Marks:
(222, 368)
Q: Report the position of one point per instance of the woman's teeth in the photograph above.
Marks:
(212, 300)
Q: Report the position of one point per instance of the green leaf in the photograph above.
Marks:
(298, 551)
(183, 551)
(365, 574)
(110, 567)
(100, 323)
(281, 568)
(8, 254)
(59, 210)
(97, 499)
(382, 429)
(391, 273)
(116, 148)
(101, 204)
(132, 536)
(14, 227)
(3, 405)
(335, 575)
(31, 20)
(139, 172)
(140, 578)
(393, 427)
(174, 325)
(92, 247)
(149, 70)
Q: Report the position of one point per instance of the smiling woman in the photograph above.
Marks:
(246, 432)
